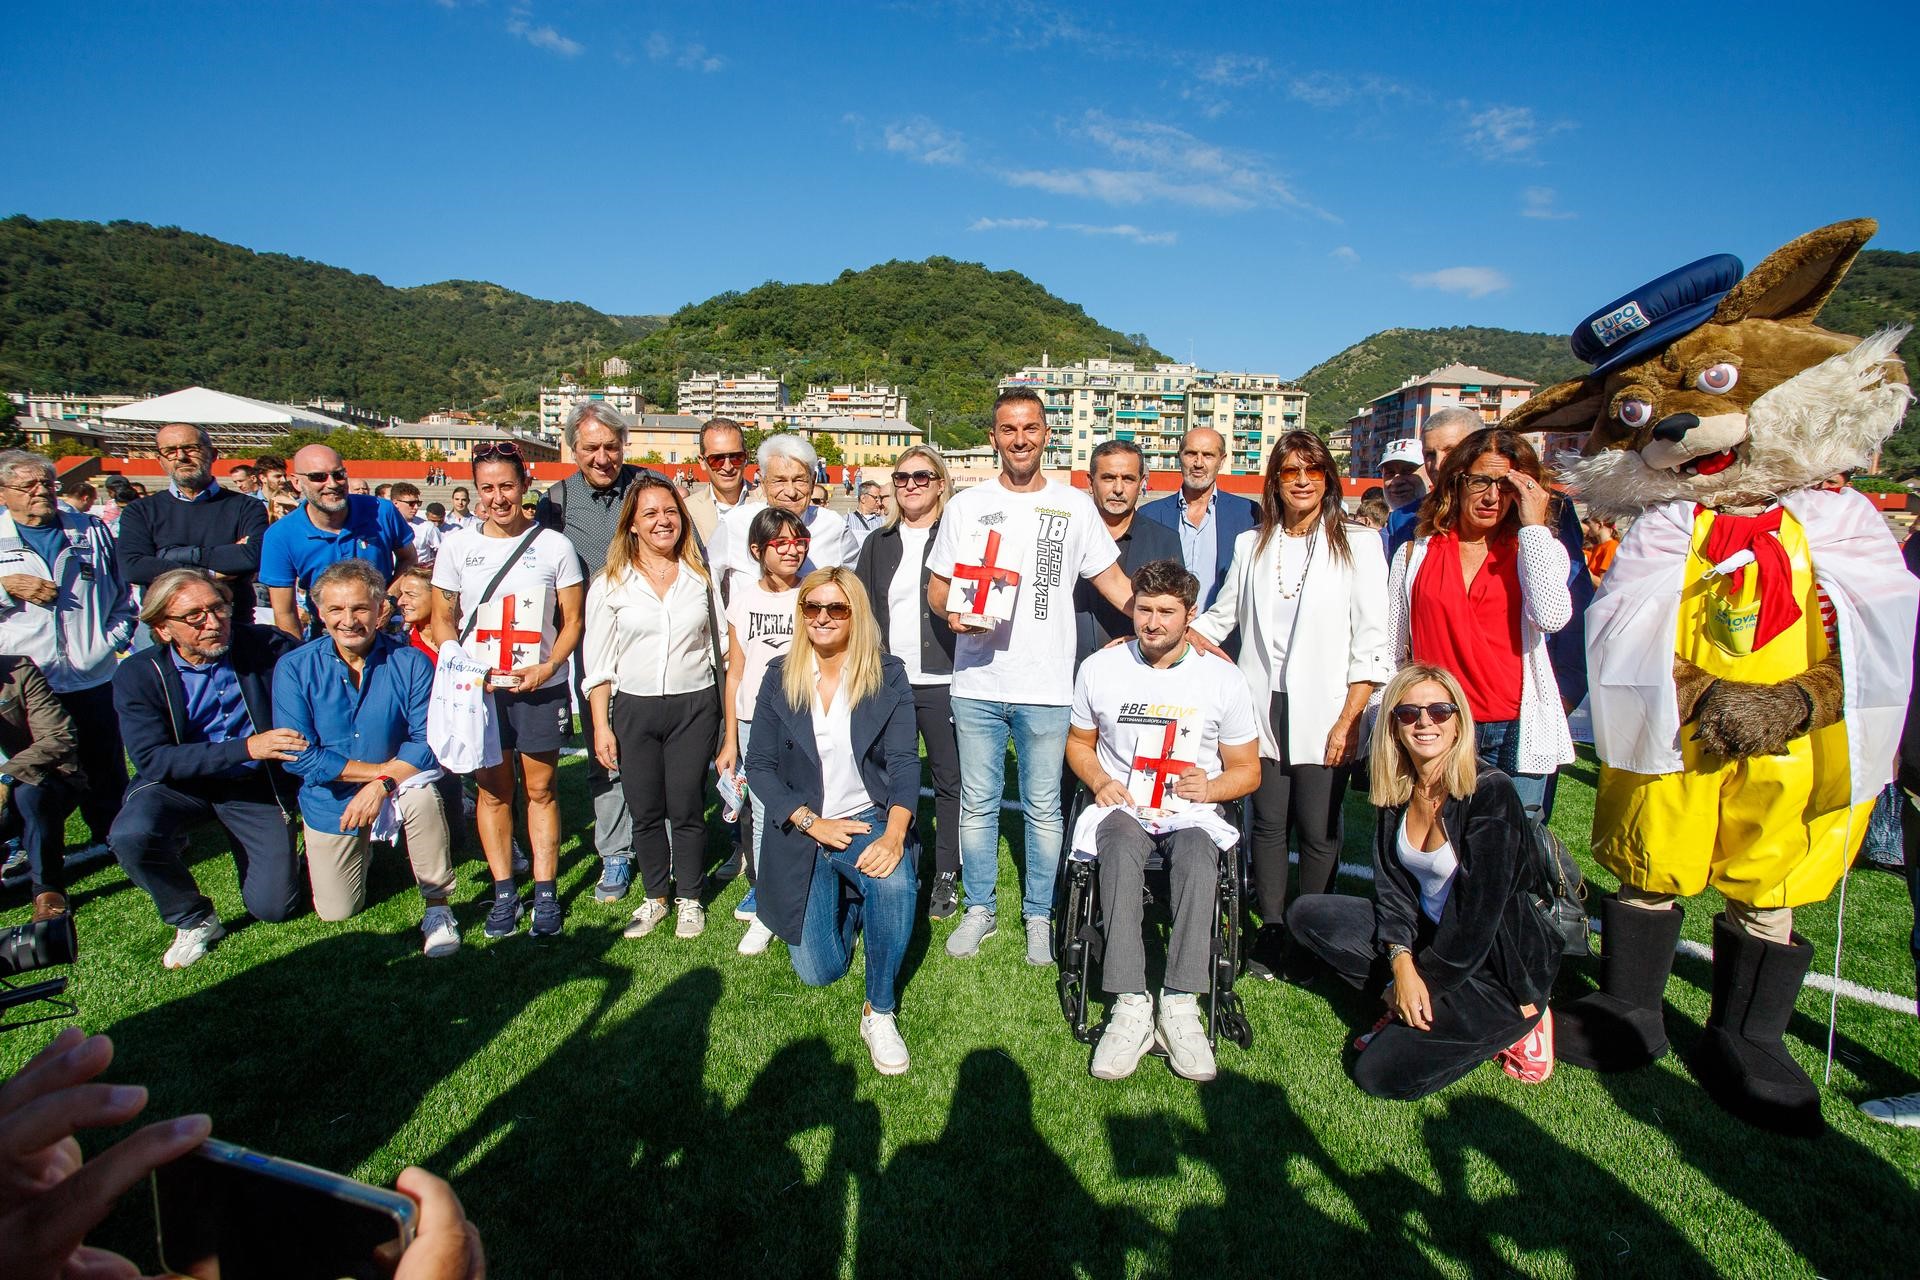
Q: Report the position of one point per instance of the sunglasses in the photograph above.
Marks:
(913, 479)
(1291, 474)
(726, 460)
(838, 610)
(321, 477)
(1409, 713)
(501, 449)
(786, 544)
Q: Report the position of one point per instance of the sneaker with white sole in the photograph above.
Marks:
(749, 906)
(1126, 1037)
(504, 916)
(441, 931)
(1039, 940)
(649, 913)
(191, 944)
(754, 941)
(1180, 1032)
(1901, 1109)
(693, 918)
(882, 1035)
(974, 928)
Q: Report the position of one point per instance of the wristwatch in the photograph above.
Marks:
(806, 824)
(387, 784)
(1396, 950)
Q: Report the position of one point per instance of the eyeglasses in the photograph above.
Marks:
(199, 618)
(321, 477)
(173, 453)
(838, 610)
(32, 486)
(1409, 713)
(727, 461)
(912, 479)
(1480, 484)
(499, 449)
(788, 544)
(1289, 475)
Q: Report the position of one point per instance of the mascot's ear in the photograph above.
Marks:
(1795, 280)
(1561, 407)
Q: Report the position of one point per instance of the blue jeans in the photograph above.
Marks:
(1039, 737)
(1498, 742)
(844, 902)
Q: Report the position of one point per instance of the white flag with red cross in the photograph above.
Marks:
(509, 635)
(988, 584)
(1155, 764)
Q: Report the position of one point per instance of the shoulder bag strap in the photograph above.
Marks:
(473, 614)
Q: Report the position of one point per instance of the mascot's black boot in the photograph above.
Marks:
(1622, 1025)
(1742, 1061)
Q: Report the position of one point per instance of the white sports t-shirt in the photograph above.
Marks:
(469, 558)
(1051, 537)
(1180, 714)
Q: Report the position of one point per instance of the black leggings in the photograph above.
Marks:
(933, 709)
(1305, 798)
(666, 744)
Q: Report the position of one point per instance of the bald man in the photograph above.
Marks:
(331, 525)
(1206, 518)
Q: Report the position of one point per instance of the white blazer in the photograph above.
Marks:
(1339, 634)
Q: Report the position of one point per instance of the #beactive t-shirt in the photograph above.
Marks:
(1153, 723)
(469, 558)
(763, 622)
(1049, 537)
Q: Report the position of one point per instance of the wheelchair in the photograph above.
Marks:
(1081, 932)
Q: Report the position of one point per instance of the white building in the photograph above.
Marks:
(557, 402)
(614, 367)
(755, 400)
(869, 400)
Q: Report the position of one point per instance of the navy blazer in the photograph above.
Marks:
(783, 767)
(1233, 515)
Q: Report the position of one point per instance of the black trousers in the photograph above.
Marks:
(933, 709)
(150, 835)
(103, 758)
(1303, 799)
(666, 745)
(1471, 1023)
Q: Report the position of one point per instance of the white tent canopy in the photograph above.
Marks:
(205, 407)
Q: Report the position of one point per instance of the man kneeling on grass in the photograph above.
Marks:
(358, 697)
(1159, 733)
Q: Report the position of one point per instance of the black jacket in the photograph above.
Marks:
(220, 534)
(783, 766)
(1491, 925)
(879, 560)
(152, 706)
(1097, 622)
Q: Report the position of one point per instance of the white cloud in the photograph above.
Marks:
(1474, 282)
(688, 56)
(1500, 132)
(1007, 224)
(1540, 204)
(921, 139)
(1344, 255)
(543, 36)
(1122, 230)
(1234, 69)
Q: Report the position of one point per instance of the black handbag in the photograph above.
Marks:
(1564, 904)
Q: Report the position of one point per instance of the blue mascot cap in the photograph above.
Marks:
(1655, 314)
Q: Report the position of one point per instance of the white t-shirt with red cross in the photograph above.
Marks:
(1154, 723)
(466, 565)
(1050, 537)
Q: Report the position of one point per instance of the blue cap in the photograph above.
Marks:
(1656, 313)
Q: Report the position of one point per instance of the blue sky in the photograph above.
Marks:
(1261, 184)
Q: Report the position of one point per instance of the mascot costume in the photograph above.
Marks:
(1750, 650)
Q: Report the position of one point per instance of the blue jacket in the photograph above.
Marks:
(382, 719)
(783, 766)
(1233, 515)
(152, 706)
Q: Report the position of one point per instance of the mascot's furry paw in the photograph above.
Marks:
(1736, 719)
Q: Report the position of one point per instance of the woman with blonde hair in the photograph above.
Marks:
(1458, 930)
(833, 752)
(893, 569)
(652, 677)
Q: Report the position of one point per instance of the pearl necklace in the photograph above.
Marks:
(1312, 537)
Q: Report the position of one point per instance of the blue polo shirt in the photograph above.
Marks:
(382, 719)
(293, 552)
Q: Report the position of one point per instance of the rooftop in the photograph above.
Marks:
(1457, 375)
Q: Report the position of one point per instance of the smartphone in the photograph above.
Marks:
(227, 1213)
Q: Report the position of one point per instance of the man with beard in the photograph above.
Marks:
(196, 522)
(332, 525)
(1117, 474)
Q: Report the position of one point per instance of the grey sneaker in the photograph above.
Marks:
(974, 928)
(693, 918)
(649, 913)
(1039, 940)
(1902, 1110)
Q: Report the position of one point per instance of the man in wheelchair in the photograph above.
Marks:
(1160, 734)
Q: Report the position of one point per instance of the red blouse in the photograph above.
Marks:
(1474, 631)
(419, 640)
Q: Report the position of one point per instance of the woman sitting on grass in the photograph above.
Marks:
(1456, 921)
(834, 753)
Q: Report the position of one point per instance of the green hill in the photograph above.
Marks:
(946, 331)
(123, 306)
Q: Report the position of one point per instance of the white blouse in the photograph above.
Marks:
(844, 792)
(645, 645)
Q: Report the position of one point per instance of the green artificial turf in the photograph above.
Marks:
(612, 1107)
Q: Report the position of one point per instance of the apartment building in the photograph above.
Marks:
(756, 400)
(557, 402)
(867, 400)
(1403, 412)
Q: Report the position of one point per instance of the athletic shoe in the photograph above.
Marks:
(755, 941)
(888, 1050)
(648, 914)
(1902, 1110)
(1039, 940)
(190, 944)
(442, 933)
(1125, 1038)
(693, 918)
(522, 864)
(1530, 1059)
(1267, 957)
(945, 899)
(616, 877)
(974, 928)
(1366, 1038)
(1180, 1032)
(504, 918)
(748, 907)
(549, 917)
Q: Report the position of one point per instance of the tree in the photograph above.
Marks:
(828, 448)
(352, 442)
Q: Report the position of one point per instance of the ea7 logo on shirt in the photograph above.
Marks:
(1049, 550)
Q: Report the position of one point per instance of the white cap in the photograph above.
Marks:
(1402, 450)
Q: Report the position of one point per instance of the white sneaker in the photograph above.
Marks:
(693, 918)
(888, 1050)
(191, 944)
(1180, 1032)
(754, 941)
(1124, 1040)
(1901, 1109)
(442, 932)
(649, 913)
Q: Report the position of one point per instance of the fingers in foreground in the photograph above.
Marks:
(70, 1058)
(76, 1206)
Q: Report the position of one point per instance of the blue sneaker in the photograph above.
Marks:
(616, 877)
(748, 909)
(548, 916)
(505, 916)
